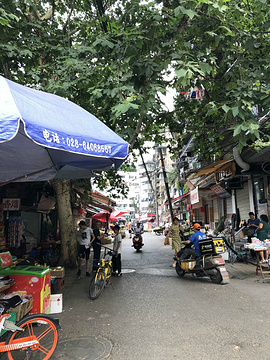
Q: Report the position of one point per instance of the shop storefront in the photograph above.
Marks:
(261, 194)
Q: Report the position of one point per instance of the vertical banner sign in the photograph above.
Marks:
(194, 196)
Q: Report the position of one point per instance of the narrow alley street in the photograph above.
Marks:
(151, 313)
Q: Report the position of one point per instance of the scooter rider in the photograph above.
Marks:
(138, 231)
(193, 240)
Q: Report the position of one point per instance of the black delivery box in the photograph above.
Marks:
(211, 246)
(207, 247)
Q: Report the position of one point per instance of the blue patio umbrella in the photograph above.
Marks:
(44, 136)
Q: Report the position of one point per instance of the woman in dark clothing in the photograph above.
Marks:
(97, 244)
(262, 231)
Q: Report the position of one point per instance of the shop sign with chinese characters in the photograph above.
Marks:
(11, 204)
(220, 191)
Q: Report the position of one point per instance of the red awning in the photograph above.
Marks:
(118, 213)
(103, 216)
(177, 198)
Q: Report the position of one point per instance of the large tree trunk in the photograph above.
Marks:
(66, 223)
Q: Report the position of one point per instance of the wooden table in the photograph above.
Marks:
(259, 265)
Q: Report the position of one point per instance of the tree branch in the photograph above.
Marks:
(137, 131)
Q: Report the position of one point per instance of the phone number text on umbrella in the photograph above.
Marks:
(53, 137)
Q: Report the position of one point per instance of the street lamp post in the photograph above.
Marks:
(165, 180)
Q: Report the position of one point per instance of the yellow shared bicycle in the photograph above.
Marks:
(102, 275)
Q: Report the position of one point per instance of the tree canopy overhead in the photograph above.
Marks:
(115, 58)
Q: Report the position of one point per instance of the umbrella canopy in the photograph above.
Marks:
(44, 136)
(121, 218)
(105, 217)
(119, 213)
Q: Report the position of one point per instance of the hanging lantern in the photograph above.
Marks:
(80, 211)
(192, 211)
(201, 209)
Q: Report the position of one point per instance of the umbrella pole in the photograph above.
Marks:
(107, 221)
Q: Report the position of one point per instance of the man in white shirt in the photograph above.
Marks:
(86, 239)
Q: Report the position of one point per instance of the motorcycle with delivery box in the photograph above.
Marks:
(210, 263)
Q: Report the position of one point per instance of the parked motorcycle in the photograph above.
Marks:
(210, 263)
(159, 230)
(137, 242)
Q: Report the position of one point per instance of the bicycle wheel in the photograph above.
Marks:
(97, 285)
(43, 328)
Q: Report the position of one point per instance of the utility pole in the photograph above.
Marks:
(165, 180)
(155, 194)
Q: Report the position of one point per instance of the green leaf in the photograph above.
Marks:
(211, 33)
(181, 10)
(235, 111)
(257, 134)
(205, 67)
(237, 130)
(180, 73)
(190, 13)
(242, 143)
(253, 126)
(226, 108)
(123, 108)
(107, 43)
(231, 85)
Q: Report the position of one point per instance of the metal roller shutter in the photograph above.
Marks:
(242, 198)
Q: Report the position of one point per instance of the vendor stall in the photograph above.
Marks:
(28, 280)
(259, 246)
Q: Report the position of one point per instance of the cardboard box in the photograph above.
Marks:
(58, 272)
(60, 283)
(23, 309)
(56, 303)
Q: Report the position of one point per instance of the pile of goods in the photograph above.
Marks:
(258, 244)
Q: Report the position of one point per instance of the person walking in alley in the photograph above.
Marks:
(86, 239)
(129, 226)
(174, 230)
(117, 249)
